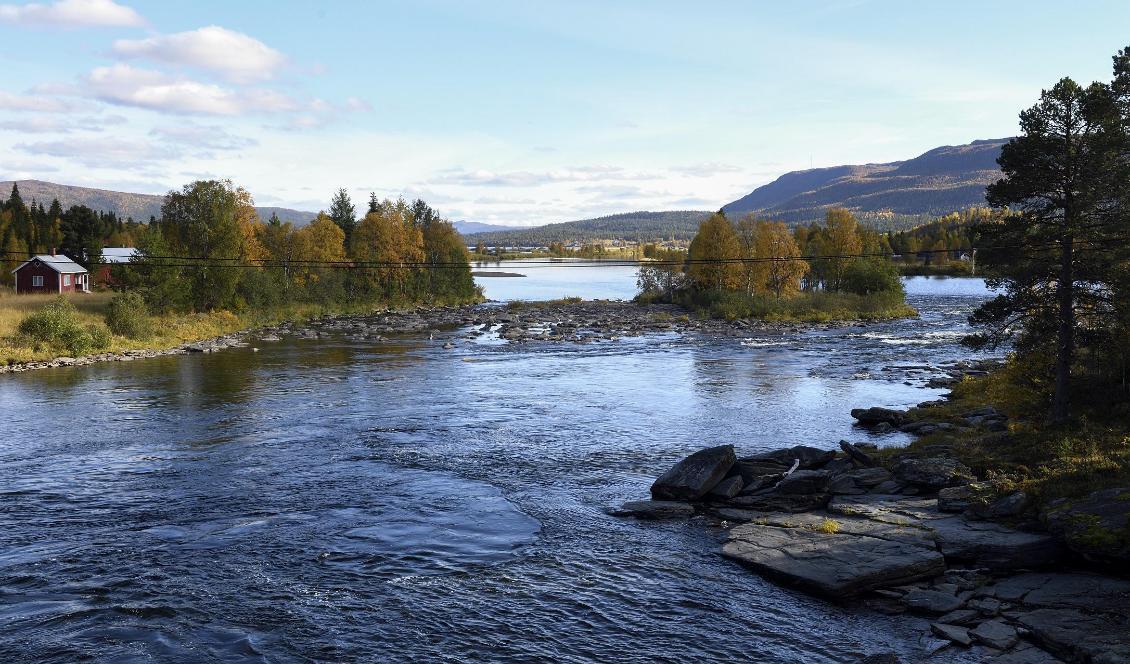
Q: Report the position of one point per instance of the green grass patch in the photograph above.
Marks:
(802, 307)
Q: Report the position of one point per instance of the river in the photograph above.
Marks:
(333, 500)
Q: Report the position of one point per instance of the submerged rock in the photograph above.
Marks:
(655, 509)
(694, 476)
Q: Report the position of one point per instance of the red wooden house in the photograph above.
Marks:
(51, 274)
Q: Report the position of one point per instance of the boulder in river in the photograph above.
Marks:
(693, 477)
(1096, 526)
(870, 417)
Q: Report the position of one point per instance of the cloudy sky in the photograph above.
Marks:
(519, 112)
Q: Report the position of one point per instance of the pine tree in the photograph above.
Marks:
(343, 214)
(1058, 174)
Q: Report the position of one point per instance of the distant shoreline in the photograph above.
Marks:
(488, 273)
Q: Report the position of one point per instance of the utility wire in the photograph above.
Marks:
(202, 261)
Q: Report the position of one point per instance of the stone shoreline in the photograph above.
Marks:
(575, 322)
(917, 534)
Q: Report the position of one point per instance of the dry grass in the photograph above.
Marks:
(171, 329)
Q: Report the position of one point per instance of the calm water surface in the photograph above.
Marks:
(333, 500)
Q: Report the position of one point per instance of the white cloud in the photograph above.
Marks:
(72, 13)
(206, 137)
(707, 169)
(357, 105)
(38, 124)
(232, 55)
(533, 179)
(129, 154)
(37, 103)
(18, 170)
(144, 88)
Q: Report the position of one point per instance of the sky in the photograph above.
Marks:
(519, 112)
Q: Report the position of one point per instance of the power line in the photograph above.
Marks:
(206, 261)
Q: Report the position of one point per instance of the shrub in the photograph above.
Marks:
(829, 526)
(128, 316)
(57, 325)
(869, 277)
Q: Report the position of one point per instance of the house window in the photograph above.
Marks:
(66, 280)
(37, 281)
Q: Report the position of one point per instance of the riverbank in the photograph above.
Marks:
(1013, 571)
(568, 320)
(173, 333)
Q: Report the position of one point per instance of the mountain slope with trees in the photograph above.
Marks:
(125, 205)
(632, 226)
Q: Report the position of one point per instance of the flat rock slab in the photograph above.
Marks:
(835, 566)
(845, 525)
(1077, 636)
(888, 508)
(954, 633)
(1052, 590)
(994, 546)
(981, 542)
(995, 634)
(924, 600)
(655, 509)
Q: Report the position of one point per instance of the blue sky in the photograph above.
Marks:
(519, 112)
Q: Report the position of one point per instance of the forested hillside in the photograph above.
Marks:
(125, 205)
(631, 226)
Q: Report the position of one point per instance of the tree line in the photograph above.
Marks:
(79, 232)
(758, 257)
(210, 250)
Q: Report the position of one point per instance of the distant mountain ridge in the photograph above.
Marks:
(468, 227)
(630, 226)
(942, 180)
(123, 204)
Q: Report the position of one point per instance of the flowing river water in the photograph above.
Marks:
(334, 500)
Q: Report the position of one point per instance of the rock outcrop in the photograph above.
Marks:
(694, 477)
(832, 565)
(1096, 527)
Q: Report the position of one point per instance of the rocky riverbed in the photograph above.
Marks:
(564, 322)
(918, 533)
